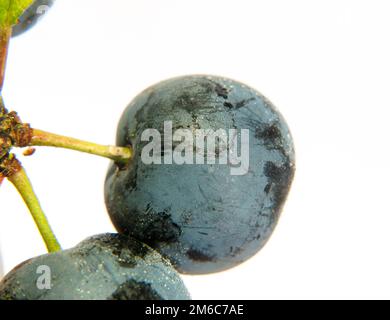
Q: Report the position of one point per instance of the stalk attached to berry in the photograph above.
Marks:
(42, 138)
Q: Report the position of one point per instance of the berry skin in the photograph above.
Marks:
(200, 216)
(31, 16)
(104, 267)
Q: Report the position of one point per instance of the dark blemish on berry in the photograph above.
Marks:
(208, 86)
(271, 137)
(199, 256)
(267, 188)
(151, 226)
(8, 294)
(228, 105)
(83, 251)
(276, 173)
(124, 259)
(185, 101)
(243, 103)
(136, 248)
(221, 91)
(125, 249)
(134, 290)
(235, 251)
(162, 228)
(238, 105)
(281, 179)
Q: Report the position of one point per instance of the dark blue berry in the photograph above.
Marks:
(104, 267)
(201, 216)
(31, 16)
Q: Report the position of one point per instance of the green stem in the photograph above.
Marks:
(42, 138)
(5, 36)
(22, 183)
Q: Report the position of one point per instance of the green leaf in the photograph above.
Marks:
(11, 10)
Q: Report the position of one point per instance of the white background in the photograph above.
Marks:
(324, 64)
